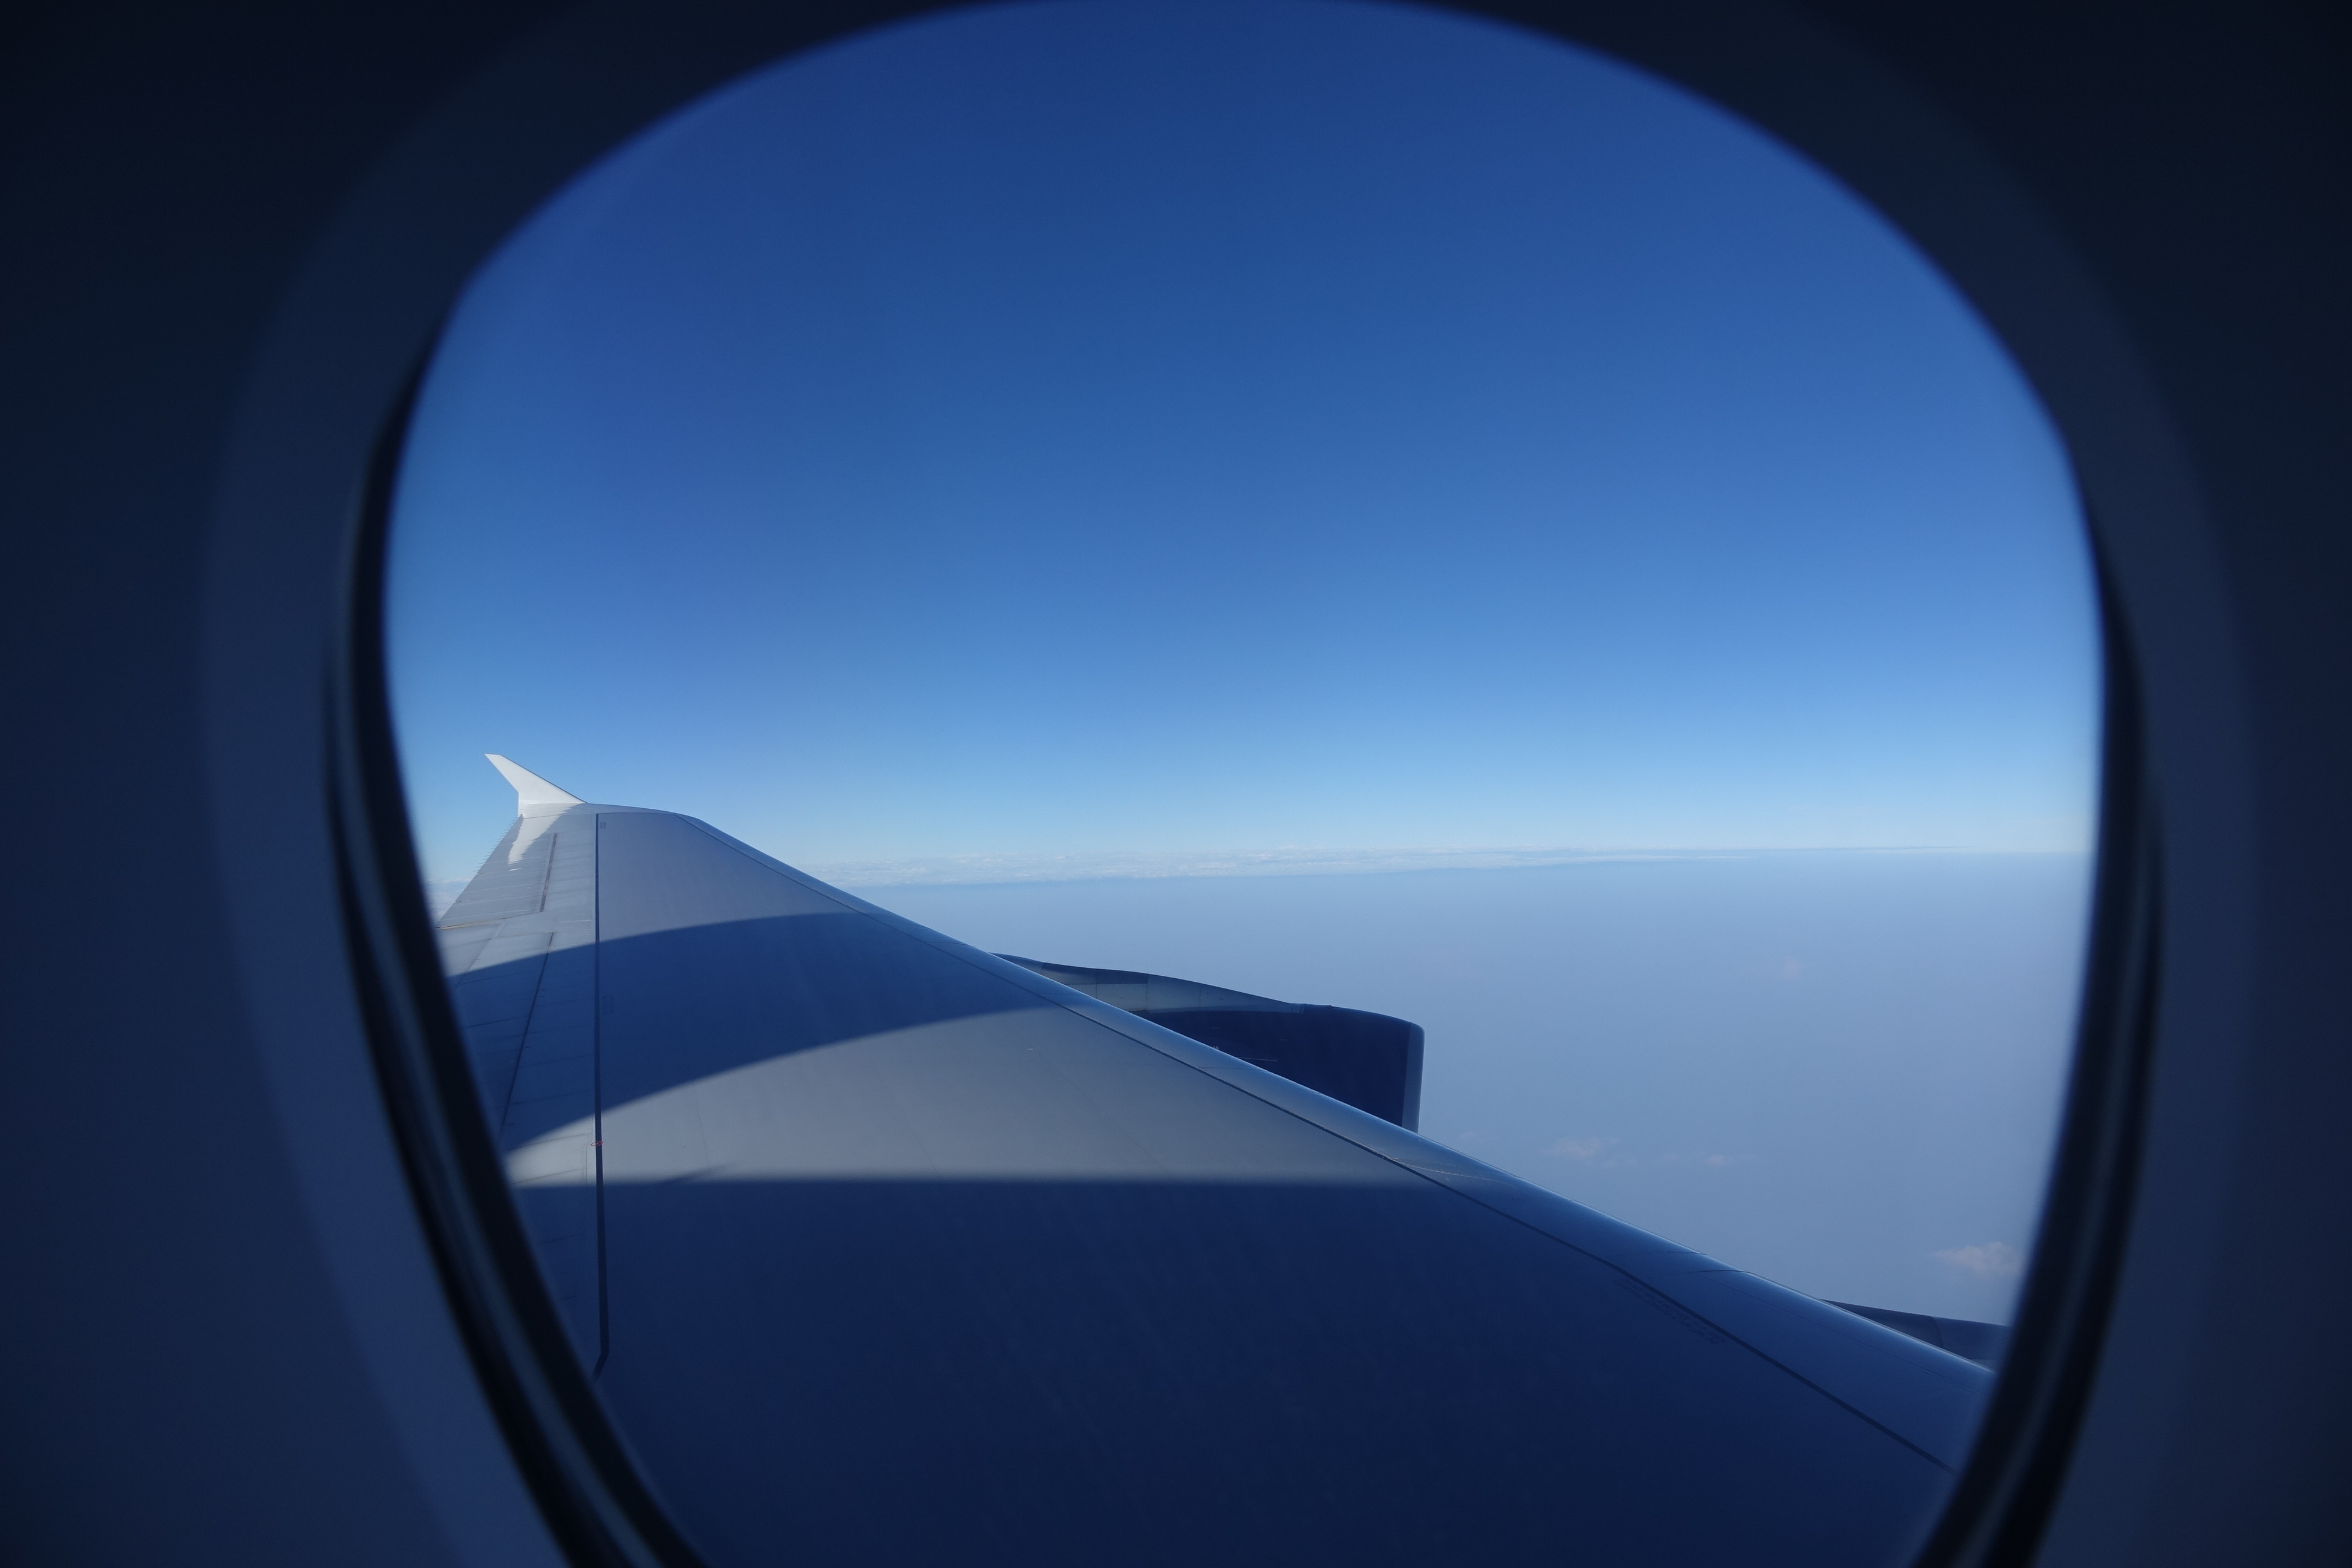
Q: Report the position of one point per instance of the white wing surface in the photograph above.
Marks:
(823, 1195)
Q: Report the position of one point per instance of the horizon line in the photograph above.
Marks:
(1020, 867)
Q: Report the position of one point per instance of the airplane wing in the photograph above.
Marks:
(823, 1194)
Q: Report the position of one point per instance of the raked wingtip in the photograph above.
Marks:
(529, 789)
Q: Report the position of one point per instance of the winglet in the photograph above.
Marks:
(530, 788)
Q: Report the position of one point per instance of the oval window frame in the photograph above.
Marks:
(1754, 60)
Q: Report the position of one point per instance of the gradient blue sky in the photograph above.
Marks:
(1035, 463)
(1077, 429)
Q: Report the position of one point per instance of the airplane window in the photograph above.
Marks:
(1187, 701)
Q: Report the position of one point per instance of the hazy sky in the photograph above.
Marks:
(1080, 428)
(1133, 440)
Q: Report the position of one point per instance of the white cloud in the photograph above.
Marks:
(1586, 1149)
(1989, 1260)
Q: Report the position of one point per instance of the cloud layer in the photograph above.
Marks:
(1987, 1260)
(982, 870)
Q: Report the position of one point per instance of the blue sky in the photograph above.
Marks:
(1037, 463)
(1075, 429)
